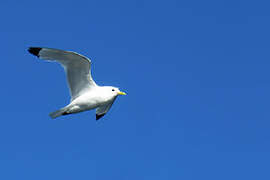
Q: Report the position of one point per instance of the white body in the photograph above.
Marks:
(90, 100)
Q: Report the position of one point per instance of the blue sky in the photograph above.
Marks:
(196, 74)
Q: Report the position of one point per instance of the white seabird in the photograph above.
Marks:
(85, 93)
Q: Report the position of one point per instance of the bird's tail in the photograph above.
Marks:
(58, 113)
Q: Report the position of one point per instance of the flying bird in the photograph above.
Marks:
(85, 93)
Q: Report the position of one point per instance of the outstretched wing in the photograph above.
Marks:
(102, 110)
(77, 68)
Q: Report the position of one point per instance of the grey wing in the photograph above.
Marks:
(77, 68)
(102, 110)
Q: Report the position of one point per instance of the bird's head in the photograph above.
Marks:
(114, 91)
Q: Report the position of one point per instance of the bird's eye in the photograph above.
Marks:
(112, 89)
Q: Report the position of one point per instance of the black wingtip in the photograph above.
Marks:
(65, 113)
(98, 116)
(34, 50)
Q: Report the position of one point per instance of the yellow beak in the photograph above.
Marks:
(122, 93)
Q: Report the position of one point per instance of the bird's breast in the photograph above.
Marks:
(90, 100)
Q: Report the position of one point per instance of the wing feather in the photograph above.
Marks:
(102, 110)
(77, 68)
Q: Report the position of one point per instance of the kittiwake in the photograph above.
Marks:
(85, 93)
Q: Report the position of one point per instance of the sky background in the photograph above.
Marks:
(196, 74)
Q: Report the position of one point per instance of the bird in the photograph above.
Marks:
(85, 93)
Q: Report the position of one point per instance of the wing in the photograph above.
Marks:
(77, 68)
(102, 110)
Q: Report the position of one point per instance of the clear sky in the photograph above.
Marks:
(196, 74)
